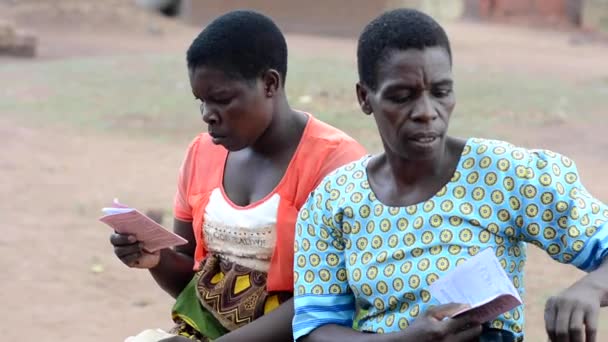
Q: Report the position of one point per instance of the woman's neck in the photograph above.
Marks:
(284, 131)
(401, 181)
(406, 172)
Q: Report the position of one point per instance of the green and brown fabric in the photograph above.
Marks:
(223, 296)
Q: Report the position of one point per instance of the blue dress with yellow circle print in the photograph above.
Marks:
(352, 252)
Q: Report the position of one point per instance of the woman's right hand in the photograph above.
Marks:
(436, 325)
(131, 253)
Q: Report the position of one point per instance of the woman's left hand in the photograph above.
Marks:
(572, 316)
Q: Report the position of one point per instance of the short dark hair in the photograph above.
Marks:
(242, 43)
(399, 29)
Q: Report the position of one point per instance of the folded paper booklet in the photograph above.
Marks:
(480, 282)
(125, 220)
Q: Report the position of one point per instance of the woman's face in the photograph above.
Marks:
(237, 112)
(413, 101)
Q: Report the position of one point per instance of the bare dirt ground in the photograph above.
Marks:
(60, 279)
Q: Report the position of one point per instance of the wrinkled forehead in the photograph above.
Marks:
(429, 64)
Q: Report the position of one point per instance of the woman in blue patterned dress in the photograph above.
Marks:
(376, 233)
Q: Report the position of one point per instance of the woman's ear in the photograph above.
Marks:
(363, 97)
(272, 82)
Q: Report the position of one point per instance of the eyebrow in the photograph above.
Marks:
(446, 82)
(443, 82)
(214, 92)
(399, 86)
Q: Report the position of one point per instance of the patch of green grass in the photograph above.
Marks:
(146, 95)
(149, 95)
(492, 99)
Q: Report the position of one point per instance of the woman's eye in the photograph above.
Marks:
(442, 92)
(400, 98)
(223, 101)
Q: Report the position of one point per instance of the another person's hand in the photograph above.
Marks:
(437, 326)
(572, 315)
(131, 253)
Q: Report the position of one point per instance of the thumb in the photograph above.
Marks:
(446, 310)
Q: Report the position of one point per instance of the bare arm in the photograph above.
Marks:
(433, 326)
(274, 326)
(332, 332)
(597, 281)
(174, 270)
(573, 315)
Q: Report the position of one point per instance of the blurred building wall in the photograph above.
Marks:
(539, 11)
(348, 17)
(331, 17)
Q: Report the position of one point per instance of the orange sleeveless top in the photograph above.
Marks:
(321, 150)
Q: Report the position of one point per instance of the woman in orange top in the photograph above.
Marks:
(240, 188)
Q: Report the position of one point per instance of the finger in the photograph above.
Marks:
(562, 322)
(117, 239)
(446, 310)
(469, 334)
(550, 315)
(591, 320)
(123, 251)
(132, 259)
(577, 326)
(458, 324)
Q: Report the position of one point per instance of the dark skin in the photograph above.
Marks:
(433, 326)
(572, 315)
(253, 121)
(412, 106)
(412, 109)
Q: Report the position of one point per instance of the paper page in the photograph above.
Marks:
(114, 211)
(130, 221)
(481, 283)
(489, 311)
